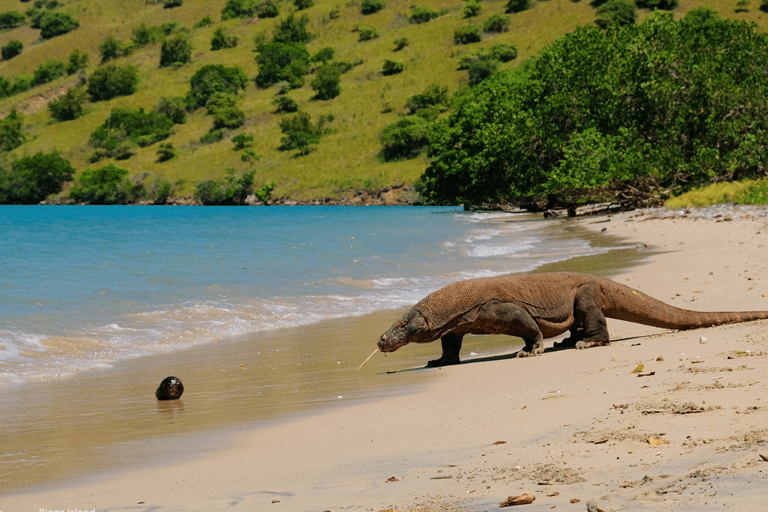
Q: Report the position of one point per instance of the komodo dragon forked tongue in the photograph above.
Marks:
(538, 306)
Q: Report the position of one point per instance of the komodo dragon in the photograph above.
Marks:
(535, 307)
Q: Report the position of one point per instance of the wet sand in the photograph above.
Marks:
(569, 425)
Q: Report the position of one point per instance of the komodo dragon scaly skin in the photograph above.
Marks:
(539, 306)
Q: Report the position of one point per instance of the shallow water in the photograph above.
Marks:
(85, 287)
(263, 313)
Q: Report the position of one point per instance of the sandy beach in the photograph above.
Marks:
(688, 432)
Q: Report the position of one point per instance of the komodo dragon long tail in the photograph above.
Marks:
(539, 306)
(624, 303)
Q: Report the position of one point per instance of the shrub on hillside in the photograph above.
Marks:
(472, 8)
(76, 61)
(326, 82)
(48, 71)
(242, 141)
(68, 106)
(497, 23)
(303, 4)
(282, 62)
(12, 49)
(433, 96)
(238, 9)
(33, 178)
(299, 132)
(165, 152)
(664, 5)
(172, 107)
(404, 139)
(467, 34)
(518, 5)
(503, 52)
(371, 6)
(107, 185)
(176, 51)
(144, 34)
(56, 24)
(367, 33)
(482, 68)
(292, 30)
(401, 43)
(616, 12)
(110, 48)
(268, 9)
(215, 78)
(12, 131)
(221, 40)
(422, 15)
(170, 4)
(11, 19)
(231, 190)
(392, 67)
(285, 104)
(324, 55)
(111, 80)
(126, 128)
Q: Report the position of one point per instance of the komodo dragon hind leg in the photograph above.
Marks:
(589, 319)
(512, 320)
(451, 348)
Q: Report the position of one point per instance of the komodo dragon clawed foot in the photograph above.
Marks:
(539, 306)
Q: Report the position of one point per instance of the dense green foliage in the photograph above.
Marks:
(519, 5)
(111, 80)
(231, 190)
(282, 62)
(292, 30)
(126, 128)
(68, 106)
(215, 78)
(48, 71)
(33, 178)
(662, 103)
(110, 48)
(107, 185)
(175, 51)
(326, 82)
(221, 40)
(300, 133)
(12, 49)
(497, 23)
(12, 131)
(56, 24)
(371, 6)
(468, 34)
(392, 67)
(422, 15)
(11, 19)
(616, 12)
(405, 138)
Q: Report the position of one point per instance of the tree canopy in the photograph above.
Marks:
(660, 104)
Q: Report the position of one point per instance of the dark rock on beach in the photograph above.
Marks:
(170, 389)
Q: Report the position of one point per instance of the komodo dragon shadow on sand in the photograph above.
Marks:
(539, 306)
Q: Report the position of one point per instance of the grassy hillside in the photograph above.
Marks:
(345, 159)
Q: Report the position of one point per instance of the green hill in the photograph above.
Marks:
(346, 159)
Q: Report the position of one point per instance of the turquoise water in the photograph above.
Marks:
(84, 287)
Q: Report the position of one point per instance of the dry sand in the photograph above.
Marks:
(569, 425)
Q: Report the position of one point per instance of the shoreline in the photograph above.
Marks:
(473, 434)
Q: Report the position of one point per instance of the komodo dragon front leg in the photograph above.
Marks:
(493, 318)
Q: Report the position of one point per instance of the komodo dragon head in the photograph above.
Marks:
(411, 328)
